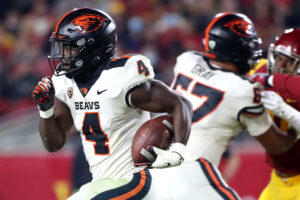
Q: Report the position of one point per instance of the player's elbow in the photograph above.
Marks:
(52, 148)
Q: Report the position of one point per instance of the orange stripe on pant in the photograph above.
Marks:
(215, 179)
(135, 190)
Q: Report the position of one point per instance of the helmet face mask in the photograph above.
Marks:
(83, 38)
(232, 37)
(63, 57)
(284, 54)
(247, 54)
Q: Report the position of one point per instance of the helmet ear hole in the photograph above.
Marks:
(71, 30)
(91, 41)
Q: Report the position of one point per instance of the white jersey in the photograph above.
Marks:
(224, 104)
(104, 115)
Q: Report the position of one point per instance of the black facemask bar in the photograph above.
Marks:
(247, 55)
(63, 57)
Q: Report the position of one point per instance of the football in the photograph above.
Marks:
(157, 132)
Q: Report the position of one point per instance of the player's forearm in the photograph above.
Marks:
(288, 83)
(275, 103)
(52, 136)
(275, 141)
(182, 115)
(286, 141)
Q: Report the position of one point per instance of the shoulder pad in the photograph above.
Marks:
(187, 58)
(118, 61)
(136, 71)
(138, 67)
(189, 55)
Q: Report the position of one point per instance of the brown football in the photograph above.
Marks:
(157, 132)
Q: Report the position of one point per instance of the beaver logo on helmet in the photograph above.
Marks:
(240, 27)
(88, 22)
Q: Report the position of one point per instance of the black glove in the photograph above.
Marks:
(44, 94)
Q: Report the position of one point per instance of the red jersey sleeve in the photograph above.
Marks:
(288, 83)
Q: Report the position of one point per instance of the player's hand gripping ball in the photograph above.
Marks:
(157, 132)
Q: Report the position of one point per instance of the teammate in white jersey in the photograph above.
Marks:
(224, 102)
(105, 98)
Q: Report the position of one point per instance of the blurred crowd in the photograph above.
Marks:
(159, 29)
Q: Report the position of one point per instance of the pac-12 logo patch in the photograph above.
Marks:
(241, 27)
(70, 92)
(88, 22)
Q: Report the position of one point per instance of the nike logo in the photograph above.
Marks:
(100, 92)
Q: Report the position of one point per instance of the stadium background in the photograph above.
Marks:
(161, 30)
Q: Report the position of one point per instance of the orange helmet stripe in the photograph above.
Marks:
(209, 26)
(57, 25)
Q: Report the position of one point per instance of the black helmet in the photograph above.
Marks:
(82, 38)
(232, 37)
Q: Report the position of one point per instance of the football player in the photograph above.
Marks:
(277, 74)
(104, 97)
(107, 100)
(224, 101)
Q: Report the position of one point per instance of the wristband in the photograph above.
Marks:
(292, 116)
(46, 114)
(270, 80)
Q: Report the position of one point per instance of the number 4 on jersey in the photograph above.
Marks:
(142, 69)
(93, 133)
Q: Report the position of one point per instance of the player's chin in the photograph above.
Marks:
(65, 66)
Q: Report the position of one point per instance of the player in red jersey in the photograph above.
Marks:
(278, 74)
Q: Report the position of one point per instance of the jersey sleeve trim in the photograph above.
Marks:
(128, 93)
(127, 96)
(251, 111)
(118, 62)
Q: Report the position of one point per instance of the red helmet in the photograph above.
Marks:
(288, 44)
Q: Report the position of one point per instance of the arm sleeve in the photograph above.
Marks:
(252, 115)
(138, 70)
(256, 125)
(287, 83)
(249, 100)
